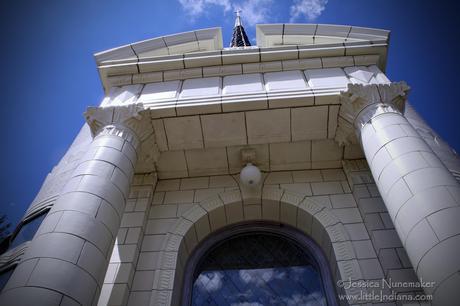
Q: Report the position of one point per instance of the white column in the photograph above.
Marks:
(66, 261)
(421, 195)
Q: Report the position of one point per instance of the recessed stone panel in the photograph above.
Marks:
(268, 126)
(172, 165)
(184, 132)
(309, 123)
(207, 161)
(290, 156)
(222, 130)
(326, 150)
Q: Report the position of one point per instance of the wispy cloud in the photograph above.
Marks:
(198, 7)
(210, 281)
(253, 11)
(260, 277)
(309, 9)
(315, 298)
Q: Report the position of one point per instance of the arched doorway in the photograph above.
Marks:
(258, 263)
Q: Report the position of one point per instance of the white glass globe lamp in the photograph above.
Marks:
(250, 175)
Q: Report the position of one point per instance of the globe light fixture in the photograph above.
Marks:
(250, 175)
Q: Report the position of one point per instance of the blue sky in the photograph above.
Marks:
(49, 75)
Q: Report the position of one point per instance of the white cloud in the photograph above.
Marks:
(198, 7)
(210, 281)
(315, 298)
(310, 9)
(260, 277)
(253, 11)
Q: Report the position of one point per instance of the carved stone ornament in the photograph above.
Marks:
(361, 102)
(130, 116)
(131, 122)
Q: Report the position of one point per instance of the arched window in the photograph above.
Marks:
(258, 264)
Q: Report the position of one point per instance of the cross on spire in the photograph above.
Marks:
(238, 18)
(239, 38)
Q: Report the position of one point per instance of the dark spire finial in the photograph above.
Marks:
(239, 38)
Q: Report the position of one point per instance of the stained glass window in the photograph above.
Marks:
(257, 269)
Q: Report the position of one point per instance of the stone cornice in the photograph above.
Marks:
(116, 74)
(238, 56)
(360, 102)
(188, 53)
(339, 61)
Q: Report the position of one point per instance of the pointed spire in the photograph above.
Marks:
(238, 19)
(239, 38)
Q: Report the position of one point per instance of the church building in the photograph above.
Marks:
(290, 172)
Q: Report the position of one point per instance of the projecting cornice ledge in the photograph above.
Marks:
(131, 122)
(359, 103)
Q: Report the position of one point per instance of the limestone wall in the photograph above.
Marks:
(161, 228)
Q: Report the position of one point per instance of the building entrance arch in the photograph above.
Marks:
(258, 263)
(276, 206)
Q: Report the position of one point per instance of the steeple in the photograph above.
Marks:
(239, 38)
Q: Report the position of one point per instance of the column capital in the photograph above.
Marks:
(359, 103)
(131, 122)
(120, 120)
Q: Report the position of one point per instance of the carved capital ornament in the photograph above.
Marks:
(360, 103)
(131, 122)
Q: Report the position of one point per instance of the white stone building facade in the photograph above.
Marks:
(155, 172)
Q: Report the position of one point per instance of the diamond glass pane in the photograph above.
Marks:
(257, 269)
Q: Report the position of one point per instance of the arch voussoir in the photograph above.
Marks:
(214, 207)
(271, 197)
(279, 205)
(233, 206)
(289, 205)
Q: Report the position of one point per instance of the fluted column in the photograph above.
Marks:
(68, 257)
(421, 195)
